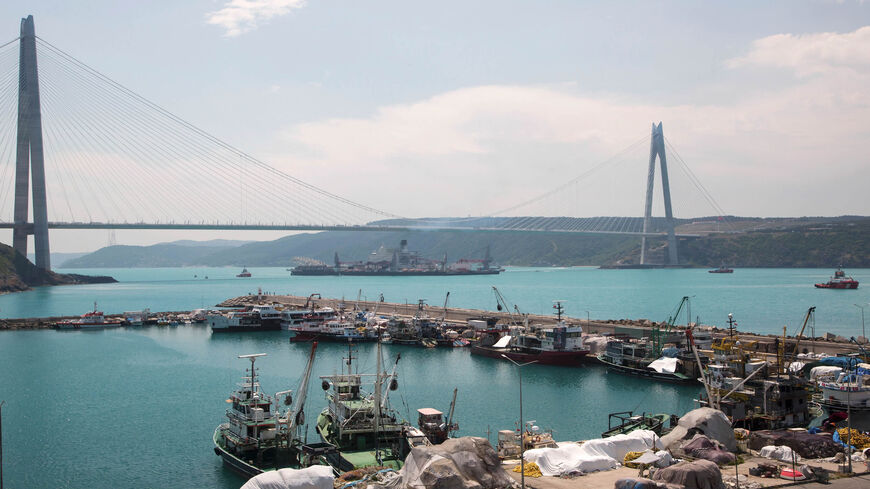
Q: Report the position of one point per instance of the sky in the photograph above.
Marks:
(467, 108)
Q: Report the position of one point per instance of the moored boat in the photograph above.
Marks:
(839, 281)
(560, 345)
(258, 436)
(721, 269)
(90, 320)
(252, 318)
(361, 425)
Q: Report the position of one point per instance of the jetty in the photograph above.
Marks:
(636, 328)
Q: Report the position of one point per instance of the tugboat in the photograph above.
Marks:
(245, 273)
(89, 320)
(366, 432)
(258, 436)
(839, 281)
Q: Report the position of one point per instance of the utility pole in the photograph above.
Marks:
(522, 443)
(863, 333)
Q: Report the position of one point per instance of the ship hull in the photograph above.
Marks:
(649, 373)
(407, 273)
(841, 285)
(558, 358)
(304, 336)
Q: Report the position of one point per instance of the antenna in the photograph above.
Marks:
(253, 357)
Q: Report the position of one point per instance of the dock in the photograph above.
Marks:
(637, 328)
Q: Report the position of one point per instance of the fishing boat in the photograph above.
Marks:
(849, 391)
(560, 345)
(90, 320)
(721, 269)
(251, 318)
(624, 422)
(361, 425)
(244, 274)
(258, 435)
(638, 357)
(432, 424)
(839, 281)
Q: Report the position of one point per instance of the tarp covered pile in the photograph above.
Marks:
(314, 477)
(804, 444)
(702, 447)
(781, 453)
(642, 483)
(592, 455)
(699, 474)
(458, 463)
(707, 421)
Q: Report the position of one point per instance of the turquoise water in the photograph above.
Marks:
(762, 300)
(136, 407)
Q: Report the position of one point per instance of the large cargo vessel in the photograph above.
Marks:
(400, 261)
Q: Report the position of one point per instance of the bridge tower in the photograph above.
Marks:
(29, 154)
(657, 148)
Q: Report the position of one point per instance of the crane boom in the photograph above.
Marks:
(800, 335)
(301, 393)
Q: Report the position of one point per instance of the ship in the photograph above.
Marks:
(90, 320)
(638, 357)
(244, 274)
(258, 436)
(251, 318)
(560, 345)
(361, 425)
(401, 262)
(721, 269)
(839, 281)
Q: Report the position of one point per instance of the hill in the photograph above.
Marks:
(775, 242)
(18, 274)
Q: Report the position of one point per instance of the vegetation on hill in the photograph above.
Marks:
(806, 242)
(18, 274)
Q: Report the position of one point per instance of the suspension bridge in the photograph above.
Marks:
(87, 148)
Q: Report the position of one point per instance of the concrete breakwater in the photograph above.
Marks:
(637, 328)
(631, 327)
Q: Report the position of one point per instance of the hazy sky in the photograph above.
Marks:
(465, 108)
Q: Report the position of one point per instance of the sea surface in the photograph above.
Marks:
(136, 407)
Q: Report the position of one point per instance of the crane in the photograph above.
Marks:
(659, 336)
(797, 342)
(501, 305)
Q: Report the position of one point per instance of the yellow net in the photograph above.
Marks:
(859, 440)
(627, 461)
(532, 469)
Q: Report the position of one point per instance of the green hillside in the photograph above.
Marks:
(18, 274)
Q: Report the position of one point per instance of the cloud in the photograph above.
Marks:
(240, 16)
(767, 152)
(810, 54)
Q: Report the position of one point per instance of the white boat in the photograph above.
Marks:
(851, 390)
(257, 318)
(90, 320)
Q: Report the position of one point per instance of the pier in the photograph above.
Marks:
(764, 344)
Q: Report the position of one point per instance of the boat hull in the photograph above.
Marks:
(838, 285)
(304, 336)
(649, 373)
(558, 358)
(89, 325)
(238, 465)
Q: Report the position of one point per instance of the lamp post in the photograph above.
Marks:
(863, 333)
(522, 444)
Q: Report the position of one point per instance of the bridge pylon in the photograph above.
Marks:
(657, 148)
(29, 154)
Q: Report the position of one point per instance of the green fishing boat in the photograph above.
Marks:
(361, 425)
(625, 422)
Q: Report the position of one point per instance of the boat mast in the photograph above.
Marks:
(297, 416)
(378, 403)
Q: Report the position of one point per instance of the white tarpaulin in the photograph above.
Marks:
(502, 342)
(598, 454)
(664, 364)
(314, 477)
(781, 453)
(824, 371)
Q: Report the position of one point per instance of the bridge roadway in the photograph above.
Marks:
(316, 227)
(763, 344)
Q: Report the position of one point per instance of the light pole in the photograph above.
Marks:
(863, 333)
(522, 443)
